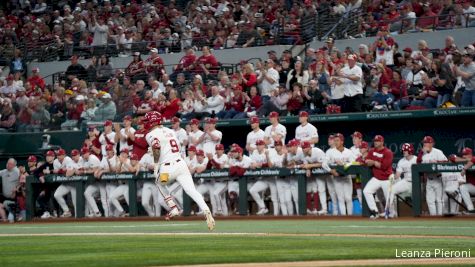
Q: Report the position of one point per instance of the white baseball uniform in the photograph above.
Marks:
(107, 164)
(205, 186)
(263, 183)
(92, 190)
(331, 187)
(343, 183)
(172, 164)
(404, 185)
(220, 186)
(297, 158)
(193, 138)
(317, 184)
(121, 190)
(245, 162)
(209, 146)
(451, 182)
(123, 141)
(105, 141)
(150, 191)
(272, 131)
(434, 188)
(284, 194)
(306, 132)
(253, 137)
(182, 136)
(66, 188)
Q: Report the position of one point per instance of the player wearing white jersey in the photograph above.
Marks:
(329, 178)
(341, 156)
(256, 134)
(451, 182)
(181, 134)
(220, 160)
(260, 158)
(314, 157)
(91, 165)
(109, 163)
(357, 139)
(306, 132)
(150, 191)
(295, 157)
(170, 164)
(277, 159)
(66, 166)
(124, 164)
(403, 170)
(123, 135)
(203, 186)
(195, 134)
(107, 137)
(275, 131)
(210, 138)
(238, 163)
(434, 187)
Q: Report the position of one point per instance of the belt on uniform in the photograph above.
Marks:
(168, 163)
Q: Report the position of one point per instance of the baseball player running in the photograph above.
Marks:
(64, 165)
(170, 166)
(342, 156)
(380, 160)
(403, 177)
(315, 158)
(434, 187)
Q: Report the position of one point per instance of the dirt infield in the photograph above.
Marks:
(377, 262)
(238, 234)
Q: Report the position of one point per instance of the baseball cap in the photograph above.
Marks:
(303, 114)
(211, 120)
(274, 114)
(194, 122)
(134, 157)
(340, 136)
(254, 119)
(192, 148)
(293, 142)
(260, 142)
(124, 150)
(109, 147)
(237, 149)
(61, 152)
(219, 147)
(175, 120)
(364, 144)
(85, 150)
(357, 134)
(351, 57)
(107, 96)
(50, 153)
(467, 151)
(32, 159)
(154, 50)
(35, 69)
(278, 143)
(428, 139)
(127, 118)
(74, 152)
(107, 123)
(378, 138)
(200, 152)
(306, 144)
(407, 49)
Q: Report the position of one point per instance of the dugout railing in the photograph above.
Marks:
(80, 182)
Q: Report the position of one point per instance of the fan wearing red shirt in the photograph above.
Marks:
(92, 142)
(172, 105)
(154, 64)
(185, 64)
(35, 80)
(234, 105)
(207, 63)
(75, 108)
(380, 160)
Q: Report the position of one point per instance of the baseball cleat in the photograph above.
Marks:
(210, 220)
(172, 213)
(66, 214)
(469, 212)
(46, 215)
(123, 214)
(373, 215)
(262, 211)
(322, 212)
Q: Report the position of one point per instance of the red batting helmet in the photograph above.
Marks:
(407, 147)
(153, 118)
(428, 139)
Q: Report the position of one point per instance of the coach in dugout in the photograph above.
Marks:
(10, 181)
(380, 160)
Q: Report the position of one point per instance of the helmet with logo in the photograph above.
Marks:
(406, 147)
(153, 118)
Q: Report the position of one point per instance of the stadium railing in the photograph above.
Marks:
(80, 182)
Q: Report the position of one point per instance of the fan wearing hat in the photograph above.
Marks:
(430, 154)
(107, 137)
(154, 64)
(306, 131)
(32, 164)
(64, 165)
(35, 79)
(295, 158)
(125, 134)
(403, 177)
(181, 134)
(220, 160)
(380, 160)
(275, 131)
(468, 189)
(316, 189)
(256, 134)
(341, 156)
(75, 70)
(466, 71)
(352, 76)
(210, 137)
(136, 69)
(268, 79)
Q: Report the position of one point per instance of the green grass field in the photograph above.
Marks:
(152, 243)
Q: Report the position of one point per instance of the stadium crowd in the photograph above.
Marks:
(120, 149)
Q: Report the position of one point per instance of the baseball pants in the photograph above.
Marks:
(59, 194)
(322, 192)
(466, 190)
(177, 192)
(450, 206)
(285, 196)
(219, 193)
(370, 189)
(206, 187)
(262, 185)
(399, 187)
(119, 191)
(434, 191)
(294, 191)
(331, 191)
(344, 194)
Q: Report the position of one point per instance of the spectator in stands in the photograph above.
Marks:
(467, 18)
(247, 77)
(215, 103)
(7, 115)
(352, 76)
(9, 90)
(428, 96)
(36, 80)
(297, 75)
(100, 30)
(429, 20)
(107, 110)
(316, 98)
(40, 117)
(136, 69)
(75, 70)
(249, 37)
(75, 108)
(104, 69)
(206, 64)
(172, 105)
(383, 100)
(234, 103)
(185, 64)
(186, 106)
(398, 88)
(466, 71)
(89, 111)
(296, 100)
(253, 102)
(268, 80)
(443, 81)
(278, 103)
(18, 64)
